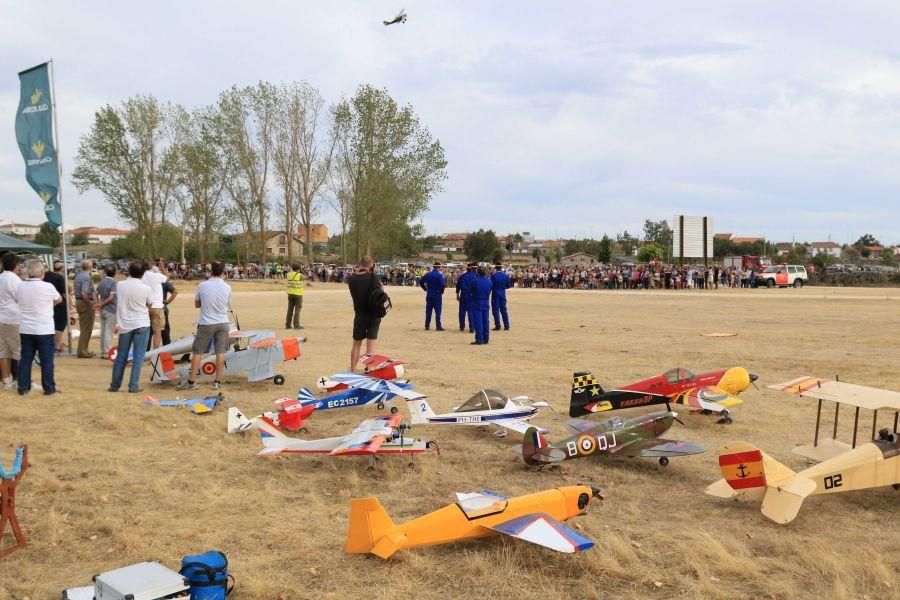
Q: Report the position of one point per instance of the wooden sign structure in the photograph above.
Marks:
(8, 483)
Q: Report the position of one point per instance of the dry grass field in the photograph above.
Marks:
(114, 482)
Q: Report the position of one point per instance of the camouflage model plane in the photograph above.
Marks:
(400, 18)
(533, 518)
(713, 392)
(616, 437)
(753, 474)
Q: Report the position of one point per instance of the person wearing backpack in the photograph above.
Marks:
(370, 304)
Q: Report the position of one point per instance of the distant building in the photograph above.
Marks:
(875, 251)
(746, 240)
(784, 248)
(722, 236)
(829, 248)
(579, 259)
(527, 237)
(319, 233)
(98, 235)
(276, 245)
(23, 229)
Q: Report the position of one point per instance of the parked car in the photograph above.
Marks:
(783, 276)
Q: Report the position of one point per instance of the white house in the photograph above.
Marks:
(19, 228)
(98, 235)
(830, 248)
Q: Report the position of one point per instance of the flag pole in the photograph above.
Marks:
(62, 219)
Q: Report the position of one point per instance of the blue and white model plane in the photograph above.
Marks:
(485, 407)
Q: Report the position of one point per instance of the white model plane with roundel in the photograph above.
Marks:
(485, 407)
(753, 474)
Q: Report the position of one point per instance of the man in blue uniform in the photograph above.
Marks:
(463, 283)
(500, 282)
(479, 302)
(433, 283)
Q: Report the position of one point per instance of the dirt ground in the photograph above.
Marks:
(113, 482)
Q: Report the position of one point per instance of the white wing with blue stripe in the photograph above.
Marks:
(544, 530)
(356, 380)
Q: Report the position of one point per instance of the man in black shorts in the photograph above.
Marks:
(365, 324)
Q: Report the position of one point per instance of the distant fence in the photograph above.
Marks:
(857, 279)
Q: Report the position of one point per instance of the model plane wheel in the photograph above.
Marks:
(663, 461)
(278, 380)
(725, 421)
(380, 406)
(705, 412)
(303, 430)
(394, 410)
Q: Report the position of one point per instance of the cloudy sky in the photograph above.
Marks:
(563, 119)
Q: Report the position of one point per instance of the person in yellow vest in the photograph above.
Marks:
(294, 284)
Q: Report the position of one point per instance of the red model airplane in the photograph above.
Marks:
(377, 366)
(713, 392)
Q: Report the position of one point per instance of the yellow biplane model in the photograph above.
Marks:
(751, 473)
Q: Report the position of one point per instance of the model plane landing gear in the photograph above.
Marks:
(663, 461)
(726, 418)
(394, 410)
(278, 380)
(380, 406)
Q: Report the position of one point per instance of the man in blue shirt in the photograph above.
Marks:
(462, 296)
(433, 283)
(479, 303)
(500, 282)
(85, 296)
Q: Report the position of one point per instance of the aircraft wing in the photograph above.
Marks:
(356, 380)
(544, 530)
(377, 361)
(368, 436)
(843, 393)
(659, 447)
(518, 425)
(580, 426)
(708, 398)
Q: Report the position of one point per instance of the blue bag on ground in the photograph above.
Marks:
(208, 575)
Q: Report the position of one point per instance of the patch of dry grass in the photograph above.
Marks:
(114, 482)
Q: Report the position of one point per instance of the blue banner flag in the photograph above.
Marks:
(34, 133)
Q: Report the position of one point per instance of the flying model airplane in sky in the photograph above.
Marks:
(485, 407)
(713, 392)
(379, 435)
(253, 352)
(616, 437)
(400, 18)
(533, 518)
(751, 473)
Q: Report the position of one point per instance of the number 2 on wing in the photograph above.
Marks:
(833, 481)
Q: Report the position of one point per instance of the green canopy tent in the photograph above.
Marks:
(14, 244)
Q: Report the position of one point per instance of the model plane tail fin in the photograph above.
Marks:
(582, 384)
(370, 529)
(237, 422)
(419, 411)
(531, 443)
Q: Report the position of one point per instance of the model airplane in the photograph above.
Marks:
(485, 407)
(749, 472)
(291, 416)
(616, 437)
(380, 435)
(253, 352)
(534, 518)
(198, 406)
(400, 18)
(376, 366)
(713, 392)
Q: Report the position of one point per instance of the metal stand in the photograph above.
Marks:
(8, 482)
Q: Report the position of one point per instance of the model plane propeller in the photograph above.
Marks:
(751, 473)
(713, 392)
(400, 18)
(379, 435)
(485, 407)
(534, 518)
(616, 438)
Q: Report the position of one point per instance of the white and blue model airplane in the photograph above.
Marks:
(485, 407)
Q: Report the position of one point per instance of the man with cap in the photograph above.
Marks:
(433, 283)
(294, 286)
(500, 282)
(479, 303)
(463, 283)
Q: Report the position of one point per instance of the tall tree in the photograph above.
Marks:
(482, 245)
(248, 117)
(659, 233)
(391, 164)
(127, 157)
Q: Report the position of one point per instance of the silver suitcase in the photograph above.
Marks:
(143, 581)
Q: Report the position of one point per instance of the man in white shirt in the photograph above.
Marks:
(36, 299)
(9, 317)
(154, 279)
(212, 298)
(133, 300)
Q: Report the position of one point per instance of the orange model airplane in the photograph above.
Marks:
(534, 518)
